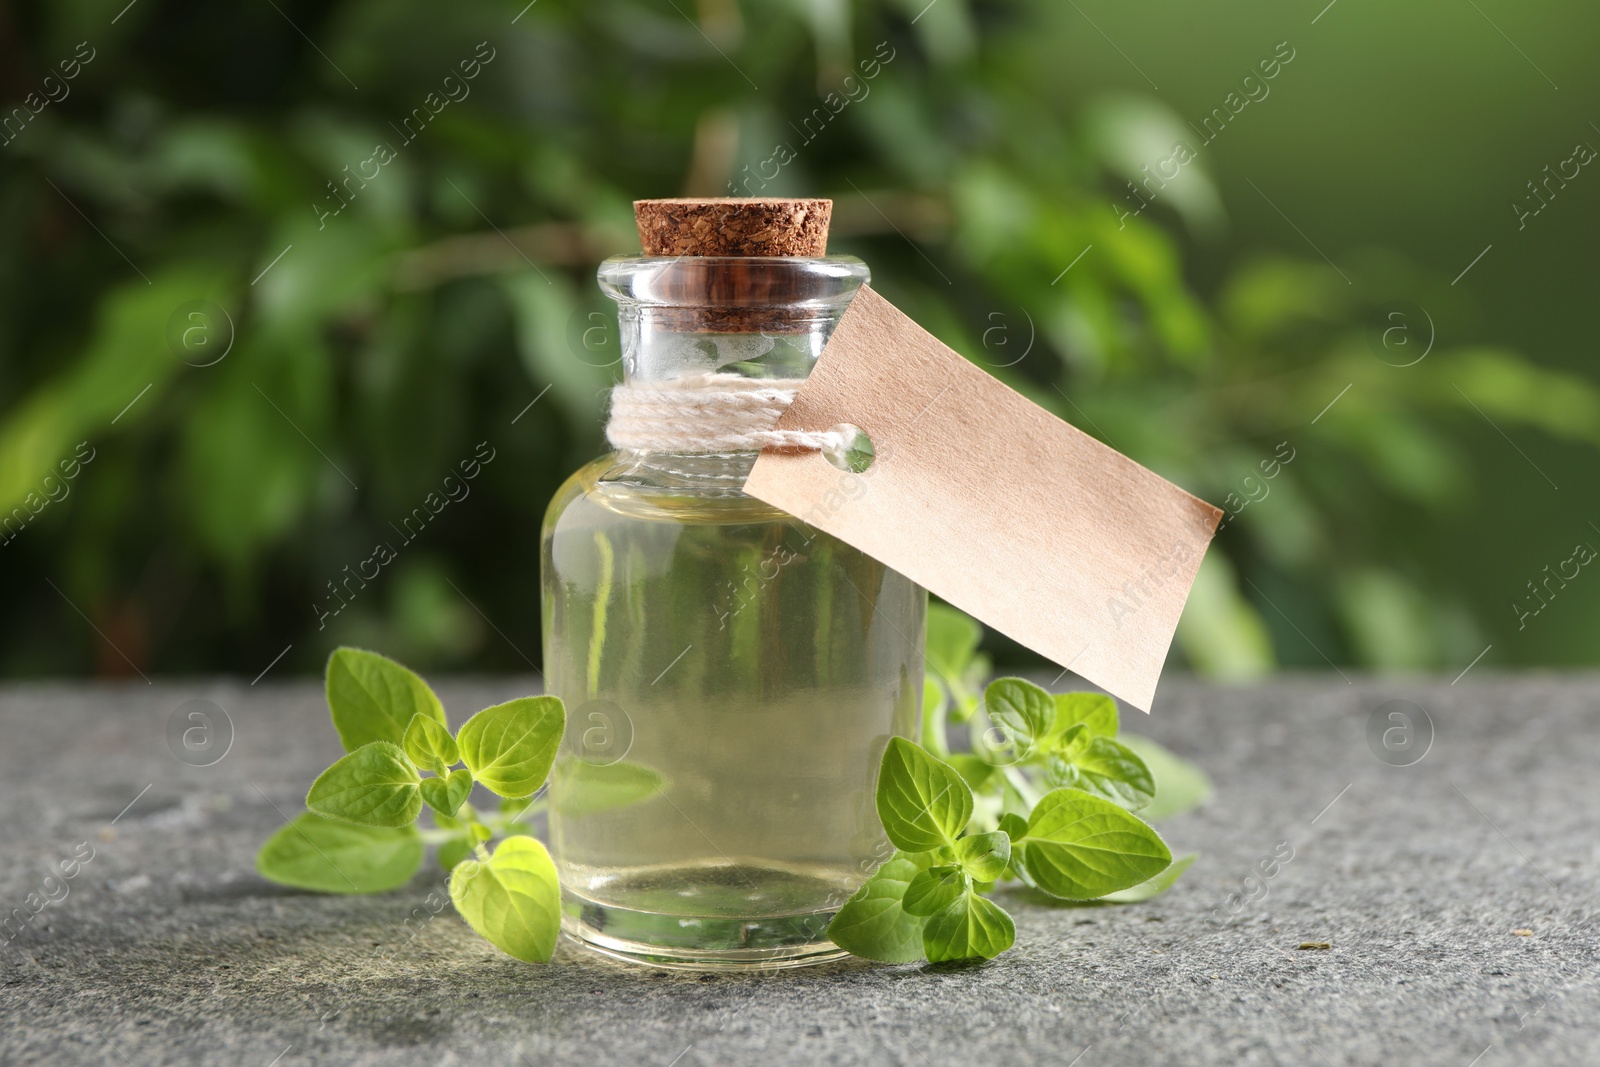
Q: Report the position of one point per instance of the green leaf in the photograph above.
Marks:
(375, 785)
(952, 642)
(1153, 887)
(1080, 847)
(329, 856)
(1013, 826)
(1107, 769)
(1096, 711)
(446, 795)
(969, 927)
(1021, 709)
(513, 901)
(874, 924)
(430, 745)
(933, 890)
(510, 747)
(975, 771)
(454, 851)
(373, 698)
(1180, 785)
(582, 788)
(923, 802)
(1068, 745)
(984, 856)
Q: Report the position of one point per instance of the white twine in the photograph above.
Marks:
(713, 413)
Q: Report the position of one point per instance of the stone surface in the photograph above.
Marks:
(168, 949)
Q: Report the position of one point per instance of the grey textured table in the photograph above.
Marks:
(168, 948)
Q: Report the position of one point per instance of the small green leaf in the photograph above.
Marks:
(510, 747)
(454, 851)
(874, 924)
(970, 927)
(479, 832)
(923, 802)
(329, 856)
(446, 795)
(1079, 847)
(375, 785)
(1180, 785)
(430, 745)
(373, 698)
(1096, 711)
(933, 890)
(1013, 826)
(1107, 769)
(582, 788)
(513, 900)
(1021, 709)
(984, 856)
(1153, 887)
(1067, 745)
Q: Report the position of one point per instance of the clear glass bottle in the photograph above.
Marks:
(731, 674)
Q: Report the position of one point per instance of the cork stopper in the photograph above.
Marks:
(729, 226)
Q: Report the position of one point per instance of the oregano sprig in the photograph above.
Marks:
(1046, 795)
(359, 834)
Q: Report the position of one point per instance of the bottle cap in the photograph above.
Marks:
(734, 226)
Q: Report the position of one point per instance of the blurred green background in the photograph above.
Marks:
(222, 378)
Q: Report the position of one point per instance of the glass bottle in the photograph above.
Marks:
(731, 674)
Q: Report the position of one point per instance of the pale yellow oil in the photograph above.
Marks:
(731, 677)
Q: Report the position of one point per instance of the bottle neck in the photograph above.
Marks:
(756, 317)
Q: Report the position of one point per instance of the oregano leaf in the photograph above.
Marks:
(984, 856)
(933, 890)
(429, 744)
(376, 785)
(446, 795)
(1095, 711)
(922, 802)
(1079, 847)
(513, 900)
(329, 856)
(509, 747)
(373, 698)
(874, 924)
(1022, 710)
(1109, 769)
(969, 927)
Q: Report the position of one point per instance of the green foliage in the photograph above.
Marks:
(1080, 847)
(967, 822)
(376, 785)
(373, 698)
(874, 923)
(922, 801)
(359, 837)
(329, 856)
(512, 899)
(510, 747)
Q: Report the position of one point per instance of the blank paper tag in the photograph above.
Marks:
(985, 498)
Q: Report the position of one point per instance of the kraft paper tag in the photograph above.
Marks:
(988, 500)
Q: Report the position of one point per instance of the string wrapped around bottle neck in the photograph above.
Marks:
(712, 413)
